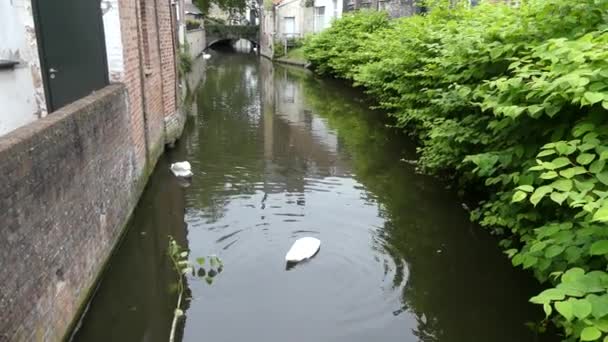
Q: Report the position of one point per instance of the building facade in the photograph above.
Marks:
(289, 19)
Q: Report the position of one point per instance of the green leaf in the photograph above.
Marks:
(601, 214)
(548, 175)
(590, 334)
(599, 305)
(539, 194)
(565, 309)
(558, 197)
(560, 162)
(599, 247)
(200, 261)
(573, 275)
(597, 166)
(573, 171)
(545, 153)
(563, 148)
(593, 97)
(553, 251)
(564, 185)
(581, 308)
(547, 309)
(526, 188)
(584, 186)
(582, 128)
(585, 158)
(518, 196)
(602, 177)
(547, 296)
(604, 155)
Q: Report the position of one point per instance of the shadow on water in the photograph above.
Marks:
(278, 154)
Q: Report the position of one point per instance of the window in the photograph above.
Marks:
(319, 18)
(289, 26)
(335, 6)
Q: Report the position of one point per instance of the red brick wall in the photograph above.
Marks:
(167, 27)
(150, 71)
(129, 23)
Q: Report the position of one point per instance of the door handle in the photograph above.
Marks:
(53, 70)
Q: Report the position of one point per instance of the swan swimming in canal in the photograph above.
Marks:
(182, 169)
(304, 248)
(206, 56)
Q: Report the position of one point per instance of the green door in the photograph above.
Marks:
(72, 49)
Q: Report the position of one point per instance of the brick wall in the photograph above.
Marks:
(69, 183)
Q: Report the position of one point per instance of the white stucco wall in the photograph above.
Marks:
(21, 88)
(333, 10)
(111, 25)
(196, 42)
(304, 16)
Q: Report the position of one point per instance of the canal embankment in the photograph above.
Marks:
(70, 183)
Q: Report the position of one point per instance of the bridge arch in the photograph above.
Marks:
(215, 33)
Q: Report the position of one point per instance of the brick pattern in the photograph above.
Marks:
(67, 190)
(167, 33)
(70, 180)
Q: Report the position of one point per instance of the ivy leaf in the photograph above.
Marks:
(590, 334)
(518, 196)
(564, 309)
(593, 97)
(599, 248)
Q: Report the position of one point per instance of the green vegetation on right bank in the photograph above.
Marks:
(512, 101)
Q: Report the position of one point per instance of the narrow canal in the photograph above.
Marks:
(278, 154)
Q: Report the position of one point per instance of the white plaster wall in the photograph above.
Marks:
(21, 88)
(112, 32)
(333, 10)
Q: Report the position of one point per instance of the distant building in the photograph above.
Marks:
(289, 19)
(395, 8)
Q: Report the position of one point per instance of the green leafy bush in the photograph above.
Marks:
(513, 101)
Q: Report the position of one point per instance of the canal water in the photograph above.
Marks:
(279, 154)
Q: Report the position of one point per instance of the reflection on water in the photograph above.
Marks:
(277, 155)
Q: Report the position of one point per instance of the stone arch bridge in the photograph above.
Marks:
(215, 33)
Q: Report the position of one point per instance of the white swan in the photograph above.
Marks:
(304, 248)
(181, 169)
(206, 56)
